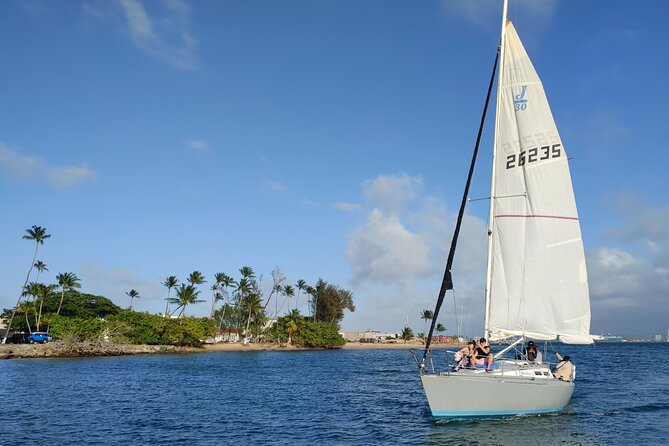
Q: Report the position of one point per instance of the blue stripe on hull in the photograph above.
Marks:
(446, 414)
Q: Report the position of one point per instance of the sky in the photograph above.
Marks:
(328, 139)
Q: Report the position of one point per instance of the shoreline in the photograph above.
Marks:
(95, 348)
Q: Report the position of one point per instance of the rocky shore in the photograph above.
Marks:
(88, 348)
(61, 349)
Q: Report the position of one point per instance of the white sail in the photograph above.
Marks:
(538, 279)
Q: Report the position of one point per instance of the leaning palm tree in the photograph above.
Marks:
(132, 294)
(38, 234)
(170, 282)
(67, 281)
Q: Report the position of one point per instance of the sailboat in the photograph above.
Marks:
(536, 283)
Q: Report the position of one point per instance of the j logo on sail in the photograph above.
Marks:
(519, 101)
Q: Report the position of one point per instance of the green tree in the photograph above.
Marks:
(426, 315)
(66, 281)
(38, 235)
(170, 282)
(330, 301)
(440, 328)
(132, 294)
(407, 334)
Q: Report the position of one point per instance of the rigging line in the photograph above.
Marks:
(447, 282)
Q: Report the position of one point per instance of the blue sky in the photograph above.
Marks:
(327, 138)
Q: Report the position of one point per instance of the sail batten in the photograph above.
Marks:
(537, 274)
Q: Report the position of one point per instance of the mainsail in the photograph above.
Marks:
(538, 284)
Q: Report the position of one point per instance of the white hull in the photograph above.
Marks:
(508, 391)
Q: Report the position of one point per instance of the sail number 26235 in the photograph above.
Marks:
(533, 155)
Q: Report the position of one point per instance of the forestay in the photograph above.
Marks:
(538, 278)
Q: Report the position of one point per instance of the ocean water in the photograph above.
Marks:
(341, 397)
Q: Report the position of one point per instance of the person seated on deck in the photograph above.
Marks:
(465, 354)
(484, 355)
(564, 369)
(531, 352)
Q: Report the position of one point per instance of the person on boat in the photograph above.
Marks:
(531, 352)
(564, 369)
(484, 355)
(465, 354)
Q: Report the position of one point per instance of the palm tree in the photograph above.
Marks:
(25, 308)
(67, 281)
(289, 292)
(226, 281)
(247, 272)
(440, 328)
(43, 292)
(253, 305)
(301, 286)
(216, 288)
(170, 282)
(132, 294)
(40, 267)
(294, 323)
(196, 278)
(311, 291)
(32, 290)
(426, 315)
(38, 234)
(407, 333)
(317, 291)
(186, 295)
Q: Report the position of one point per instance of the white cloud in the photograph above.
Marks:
(390, 193)
(199, 145)
(15, 164)
(397, 258)
(629, 282)
(383, 249)
(159, 28)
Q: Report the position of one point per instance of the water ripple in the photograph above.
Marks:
(298, 398)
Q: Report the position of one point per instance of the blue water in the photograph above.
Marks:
(314, 397)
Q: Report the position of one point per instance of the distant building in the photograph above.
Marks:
(658, 338)
(367, 336)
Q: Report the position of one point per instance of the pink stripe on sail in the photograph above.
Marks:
(557, 217)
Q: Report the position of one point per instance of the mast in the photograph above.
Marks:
(447, 282)
(486, 328)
